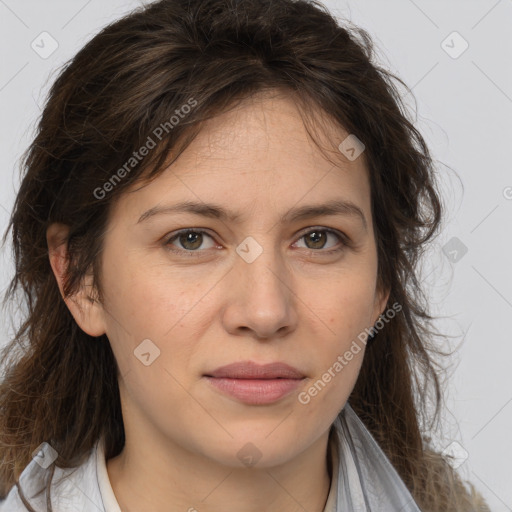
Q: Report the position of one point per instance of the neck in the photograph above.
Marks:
(143, 477)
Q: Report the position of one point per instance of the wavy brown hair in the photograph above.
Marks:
(60, 385)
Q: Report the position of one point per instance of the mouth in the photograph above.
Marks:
(251, 370)
(255, 384)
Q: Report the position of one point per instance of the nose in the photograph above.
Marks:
(261, 300)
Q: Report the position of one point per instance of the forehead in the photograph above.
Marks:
(272, 125)
(258, 154)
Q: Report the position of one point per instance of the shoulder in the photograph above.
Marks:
(442, 488)
(71, 488)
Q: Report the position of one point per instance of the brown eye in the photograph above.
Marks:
(317, 239)
(189, 240)
(194, 239)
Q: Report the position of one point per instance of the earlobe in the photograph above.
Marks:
(85, 308)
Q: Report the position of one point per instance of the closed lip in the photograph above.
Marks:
(252, 370)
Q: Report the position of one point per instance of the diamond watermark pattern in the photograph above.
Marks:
(454, 249)
(249, 455)
(44, 45)
(351, 147)
(454, 45)
(249, 249)
(455, 454)
(44, 455)
(147, 352)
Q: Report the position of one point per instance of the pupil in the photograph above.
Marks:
(192, 238)
(315, 237)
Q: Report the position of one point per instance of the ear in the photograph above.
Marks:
(83, 304)
(381, 300)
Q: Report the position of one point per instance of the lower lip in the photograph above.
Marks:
(255, 391)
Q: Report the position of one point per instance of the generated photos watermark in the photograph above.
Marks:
(304, 397)
(144, 150)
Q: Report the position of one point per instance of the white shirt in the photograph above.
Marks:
(86, 488)
(363, 479)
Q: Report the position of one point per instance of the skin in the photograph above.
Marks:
(294, 303)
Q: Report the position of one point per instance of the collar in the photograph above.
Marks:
(362, 477)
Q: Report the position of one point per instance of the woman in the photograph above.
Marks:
(217, 236)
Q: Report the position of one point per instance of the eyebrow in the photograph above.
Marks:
(209, 210)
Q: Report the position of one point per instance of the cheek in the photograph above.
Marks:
(345, 307)
(326, 394)
(143, 306)
(343, 314)
(149, 298)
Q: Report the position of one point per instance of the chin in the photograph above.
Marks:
(254, 448)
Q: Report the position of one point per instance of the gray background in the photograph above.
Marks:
(464, 110)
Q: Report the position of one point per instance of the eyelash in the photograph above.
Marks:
(345, 241)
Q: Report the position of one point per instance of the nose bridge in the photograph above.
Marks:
(261, 263)
(262, 295)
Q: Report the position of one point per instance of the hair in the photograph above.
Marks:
(61, 384)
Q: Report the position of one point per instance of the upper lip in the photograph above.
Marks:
(252, 370)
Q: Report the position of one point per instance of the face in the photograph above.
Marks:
(260, 285)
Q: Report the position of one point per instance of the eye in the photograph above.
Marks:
(189, 239)
(316, 239)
